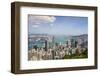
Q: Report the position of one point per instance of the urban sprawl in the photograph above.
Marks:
(73, 48)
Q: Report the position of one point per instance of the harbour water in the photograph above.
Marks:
(57, 39)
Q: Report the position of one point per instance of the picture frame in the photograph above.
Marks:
(23, 12)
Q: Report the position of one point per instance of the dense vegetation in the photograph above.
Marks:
(77, 56)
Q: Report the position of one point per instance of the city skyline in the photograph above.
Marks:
(57, 25)
(45, 44)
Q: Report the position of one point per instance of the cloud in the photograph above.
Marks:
(51, 25)
(35, 26)
(37, 20)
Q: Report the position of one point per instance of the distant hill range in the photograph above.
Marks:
(83, 36)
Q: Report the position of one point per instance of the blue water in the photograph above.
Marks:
(57, 39)
(60, 39)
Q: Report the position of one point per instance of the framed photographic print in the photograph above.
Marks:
(52, 37)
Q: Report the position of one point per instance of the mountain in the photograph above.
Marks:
(83, 36)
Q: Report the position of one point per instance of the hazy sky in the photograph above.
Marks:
(57, 25)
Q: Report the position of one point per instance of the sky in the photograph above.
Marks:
(57, 25)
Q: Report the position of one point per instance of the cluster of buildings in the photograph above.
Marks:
(56, 50)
